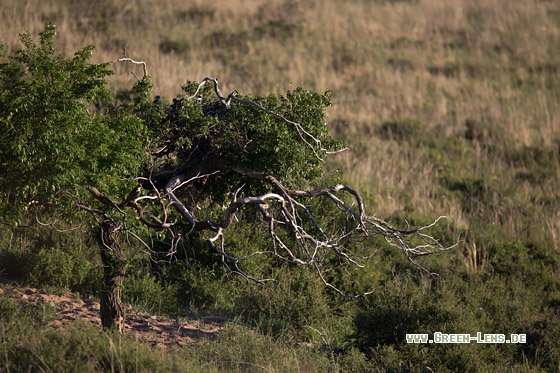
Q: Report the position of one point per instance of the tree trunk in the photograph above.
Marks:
(114, 269)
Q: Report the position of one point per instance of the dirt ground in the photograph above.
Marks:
(180, 331)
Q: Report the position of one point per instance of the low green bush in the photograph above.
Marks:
(146, 293)
(70, 270)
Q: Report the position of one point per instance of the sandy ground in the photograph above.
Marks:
(154, 330)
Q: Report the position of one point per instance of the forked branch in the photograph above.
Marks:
(127, 59)
(298, 236)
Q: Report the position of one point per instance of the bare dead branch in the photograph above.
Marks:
(190, 180)
(288, 220)
(216, 90)
(97, 213)
(173, 183)
(233, 260)
(238, 203)
(53, 226)
(127, 59)
(102, 198)
(403, 239)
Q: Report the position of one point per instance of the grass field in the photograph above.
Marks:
(449, 108)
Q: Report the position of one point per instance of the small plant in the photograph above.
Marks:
(149, 295)
(55, 267)
(475, 260)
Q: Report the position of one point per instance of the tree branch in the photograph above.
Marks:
(127, 59)
(284, 209)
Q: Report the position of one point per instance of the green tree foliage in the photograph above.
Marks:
(60, 137)
(52, 138)
(211, 133)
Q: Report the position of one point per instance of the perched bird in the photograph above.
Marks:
(174, 110)
(132, 196)
(157, 101)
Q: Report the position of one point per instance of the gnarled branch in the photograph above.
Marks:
(296, 233)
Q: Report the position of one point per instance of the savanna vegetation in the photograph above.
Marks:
(449, 108)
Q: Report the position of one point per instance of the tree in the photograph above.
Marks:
(195, 168)
(54, 142)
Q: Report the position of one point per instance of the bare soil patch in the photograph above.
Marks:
(155, 330)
